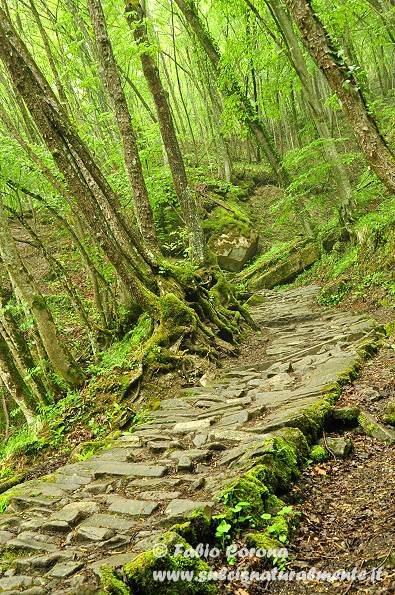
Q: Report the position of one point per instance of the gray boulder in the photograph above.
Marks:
(234, 249)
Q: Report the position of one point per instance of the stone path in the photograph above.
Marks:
(58, 531)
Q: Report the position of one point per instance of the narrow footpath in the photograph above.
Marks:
(58, 531)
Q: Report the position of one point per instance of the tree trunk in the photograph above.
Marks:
(14, 383)
(230, 88)
(28, 293)
(135, 15)
(343, 82)
(317, 110)
(142, 207)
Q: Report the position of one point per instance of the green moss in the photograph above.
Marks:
(139, 572)
(297, 440)
(250, 487)
(111, 583)
(274, 472)
(197, 529)
(389, 419)
(316, 416)
(390, 328)
(273, 504)
(318, 454)
(345, 416)
(262, 540)
(221, 220)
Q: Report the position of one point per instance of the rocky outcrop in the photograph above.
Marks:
(282, 267)
(234, 249)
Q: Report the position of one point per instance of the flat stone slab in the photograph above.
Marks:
(127, 469)
(192, 426)
(34, 542)
(182, 506)
(5, 536)
(65, 569)
(109, 521)
(74, 512)
(159, 495)
(89, 533)
(131, 507)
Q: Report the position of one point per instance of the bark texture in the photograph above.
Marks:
(343, 82)
(111, 77)
(229, 87)
(135, 15)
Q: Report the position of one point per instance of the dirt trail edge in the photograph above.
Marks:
(242, 438)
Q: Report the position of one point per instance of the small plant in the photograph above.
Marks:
(222, 531)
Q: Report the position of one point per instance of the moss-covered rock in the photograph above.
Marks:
(283, 267)
(198, 528)
(344, 417)
(318, 454)
(140, 571)
(371, 427)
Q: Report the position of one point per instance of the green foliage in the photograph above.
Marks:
(120, 354)
(25, 440)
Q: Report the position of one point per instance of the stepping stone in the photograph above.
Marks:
(159, 495)
(18, 503)
(181, 507)
(194, 454)
(236, 435)
(112, 561)
(14, 584)
(109, 521)
(128, 439)
(217, 411)
(99, 487)
(41, 562)
(151, 483)
(127, 469)
(200, 439)
(55, 525)
(242, 401)
(371, 427)
(158, 446)
(28, 540)
(340, 447)
(184, 463)
(235, 419)
(65, 569)
(89, 533)
(192, 426)
(5, 536)
(74, 512)
(131, 507)
(116, 454)
(9, 520)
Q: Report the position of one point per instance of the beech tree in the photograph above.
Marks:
(344, 83)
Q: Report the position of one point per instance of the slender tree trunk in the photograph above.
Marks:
(20, 351)
(343, 82)
(142, 207)
(14, 383)
(317, 110)
(135, 15)
(230, 88)
(28, 293)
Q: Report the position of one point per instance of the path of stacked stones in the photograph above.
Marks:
(107, 509)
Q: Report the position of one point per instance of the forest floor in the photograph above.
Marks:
(347, 506)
